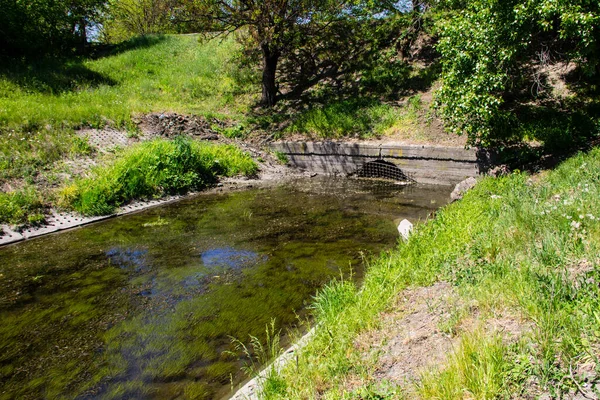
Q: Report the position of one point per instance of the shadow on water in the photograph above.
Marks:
(145, 306)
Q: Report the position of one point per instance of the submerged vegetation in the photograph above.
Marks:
(519, 246)
(143, 306)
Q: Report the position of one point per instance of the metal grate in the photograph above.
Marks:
(381, 169)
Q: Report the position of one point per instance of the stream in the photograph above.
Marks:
(147, 305)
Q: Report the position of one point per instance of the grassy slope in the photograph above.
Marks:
(170, 73)
(42, 104)
(514, 245)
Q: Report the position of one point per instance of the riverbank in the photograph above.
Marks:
(497, 296)
(56, 220)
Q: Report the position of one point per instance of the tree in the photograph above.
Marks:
(46, 26)
(276, 27)
(127, 18)
(492, 52)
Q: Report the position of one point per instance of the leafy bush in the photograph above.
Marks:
(153, 169)
(490, 51)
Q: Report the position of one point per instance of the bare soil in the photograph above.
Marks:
(422, 329)
(410, 340)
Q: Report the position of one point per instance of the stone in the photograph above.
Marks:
(463, 187)
(405, 229)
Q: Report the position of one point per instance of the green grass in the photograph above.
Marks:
(41, 104)
(362, 118)
(161, 73)
(23, 155)
(153, 169)
(513, 246)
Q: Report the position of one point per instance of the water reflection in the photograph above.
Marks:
(231, 258)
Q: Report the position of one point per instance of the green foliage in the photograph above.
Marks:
(130, 18)
(34, 28)
(491, 51)
(21, 206)
(345, 118)
(275, 31)
(153, 169)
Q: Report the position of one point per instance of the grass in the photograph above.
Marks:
(157, 73)
(43, 103)
(24, 154)
(362, 118)
(24, 205)
(517, 245)
(153, 169)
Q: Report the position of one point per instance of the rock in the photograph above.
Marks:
(464, 186)
(405, 228)
(500, 170)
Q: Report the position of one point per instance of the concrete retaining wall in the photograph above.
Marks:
(425, 164)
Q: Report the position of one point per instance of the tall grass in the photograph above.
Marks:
(153, 169)
(21, 206)
(521, 246)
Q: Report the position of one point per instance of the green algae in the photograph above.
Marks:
(134, 308)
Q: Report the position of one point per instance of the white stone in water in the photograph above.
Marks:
(405, 228)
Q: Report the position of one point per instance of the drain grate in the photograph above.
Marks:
(381, 169)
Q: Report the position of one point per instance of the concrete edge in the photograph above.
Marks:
(251, 390)
(60, 222)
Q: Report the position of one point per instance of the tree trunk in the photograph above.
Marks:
(82, 35)
(269, 88)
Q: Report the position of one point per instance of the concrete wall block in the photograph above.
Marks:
(425, 164)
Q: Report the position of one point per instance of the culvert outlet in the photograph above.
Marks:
(380, 169)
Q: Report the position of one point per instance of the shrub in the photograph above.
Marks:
(153, 169)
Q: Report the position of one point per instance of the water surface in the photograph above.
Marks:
(145, 306)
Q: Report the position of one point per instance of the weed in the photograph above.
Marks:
(21, 206)
(271, 384)
(153, 169)
(282, 157)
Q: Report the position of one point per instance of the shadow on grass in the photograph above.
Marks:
(136, 43)
(59, 75)
(561, 131)
(348, 102)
